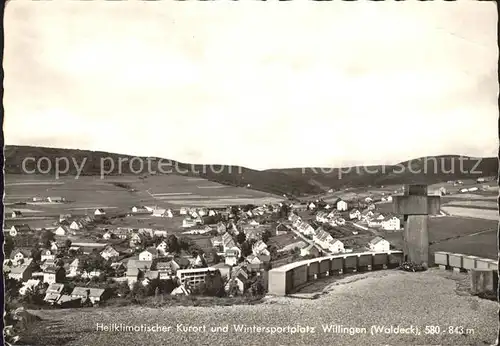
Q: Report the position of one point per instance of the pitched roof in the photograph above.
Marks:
(82, 291)
(377, 240)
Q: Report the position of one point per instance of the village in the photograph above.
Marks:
(88, 260)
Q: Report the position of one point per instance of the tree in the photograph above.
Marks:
(246, 249)
(36, 254)
(266, 235)
(46, 237)
(8, 245)
(241, 238)
(257, 287)
(215, 256)
(173, 243)
(67, 243)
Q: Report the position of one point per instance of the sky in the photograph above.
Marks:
(258, 84)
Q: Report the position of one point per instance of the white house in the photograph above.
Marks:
(140, 209)
(183, 211)
(311, 206)
(342, 205)
(355, 214)
(149, 254)
(16, 213)
(47, 254)
(16, 229)
(109, 252)
(159, 212)
(76, 226)
(336, 246)
(108, 235)
(99, 211)
(62, 231)
(368, 200)
(188, 222)
(379, 244)
(473, 189)
(322, 216)
(391, 224)
(305, 229)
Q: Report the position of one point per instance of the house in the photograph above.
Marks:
(232, 256)
(367, 214)
(109, 253)
(371, 206)
(375, 223)
(20, 255)
(108, 235)
(75, 267)
(56, 199)
(217, 241)
(355, 214)
(311, 206)
(136, 239)
(310, 250)
(193, 277)
(212, 212)
(281, 229)
(473, 189)
(305, 229)
(99, 211)
(221, 228)
(121, 233)
(140, 210)
(391, 224)
(256, 263)
(159, 212)
(322, 217)
(19, 229)
(228, 241)
(95, 295)
(336, 246)
(379, 244)
(188, 222)
(62, 231)
(47, 254)
(183, 211)
(53, 292)
(181, 291)
(67, 301)
(53, 274)
(258, 247)
(239, 278)
(16, 213)
(293, 246)
(342, 205)
(76, 226)
(160, 233)
(322, 238)
(149, 254)
(162, 248)
(21, 272)
(327, 242)
(368, 200)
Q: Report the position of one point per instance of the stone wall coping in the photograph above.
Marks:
(291, 266)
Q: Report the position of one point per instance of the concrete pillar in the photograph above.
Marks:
(416, 238)
(484, 281)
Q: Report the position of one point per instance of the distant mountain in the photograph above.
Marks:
(424, 170)
(295, 181)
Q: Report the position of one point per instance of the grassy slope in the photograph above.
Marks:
(290, 181)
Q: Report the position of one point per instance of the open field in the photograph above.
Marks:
(464, 235)
(487, 214)
(124, 192)
(359, 301)
(475, 203)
